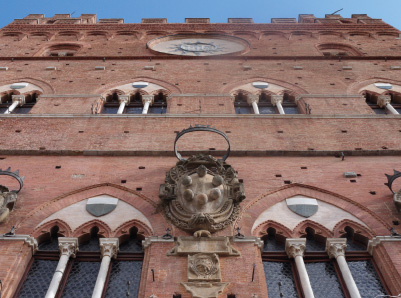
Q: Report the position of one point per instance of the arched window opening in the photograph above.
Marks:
(241, 104)
(111, 104)
(314, 242)
(49, 241)
(62, 50)
(90, 241)
(273, 241)
(265, 104)
(289, 104)
(131, 242)
(355, 241)
(135, 105)
(159, 105)
(395, 100)
(371, 101)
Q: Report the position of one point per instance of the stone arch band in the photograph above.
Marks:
(201, 128)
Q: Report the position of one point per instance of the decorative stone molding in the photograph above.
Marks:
(205, 289)
(190, 245)
(201, 193)
(256, 240)
(26, 238)
(383, 100)
(149, 240)
(7, 202)
(379, 239)
(276, 99)
(336, 247)
(148, 98)
(295, 247)
(123, 98)
(251, 98)
(204, 267)
(109, 247)
(68, 246)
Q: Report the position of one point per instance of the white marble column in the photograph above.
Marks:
(108, 249)
(123, 100)
(277, 100)
(253, 100)
(18, 100)
(68, 247)
(383, 101)
(295, 248)
(147, 101)
(335, 248)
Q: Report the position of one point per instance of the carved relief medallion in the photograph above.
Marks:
(204, 267)
(201, 192)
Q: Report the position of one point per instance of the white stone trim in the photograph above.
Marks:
(379, 239)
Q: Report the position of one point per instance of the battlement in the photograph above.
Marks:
(40, 19)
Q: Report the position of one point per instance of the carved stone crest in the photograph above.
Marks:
(203, 267)
(8, 198)
(201, 193)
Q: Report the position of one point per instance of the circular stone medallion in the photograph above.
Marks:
(198, 45)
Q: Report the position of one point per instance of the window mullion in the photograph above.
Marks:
(64, 280)
(341, 279)
(297, 280)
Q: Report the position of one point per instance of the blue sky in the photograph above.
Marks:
(218, 10)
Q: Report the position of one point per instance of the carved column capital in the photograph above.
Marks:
(335, 247)
(148, 98)
(123, 99)
(109, 247)
(295, 247)
(19, 98)
(68, 246)
(383, 100)
(276, 99)
(252, 98)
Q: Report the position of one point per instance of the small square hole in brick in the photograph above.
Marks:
(1, 158)
(280, 131)
(396, 222)
(126, 131)
(123, 181)
(384, 147)
(304, 168)
(177, 295)
(359, 175)
(176, 131)
(311, 149)
(228, 131)
(372, 192)
(141, 168)
(278, 175)
(344, 131)
(81, 131)
(231, 296)
(221, 104)
(241, 180)
(18, 131)
(358, 149)
(42, 148)
(58, 167)
(139, 189)
(179, 104)
(352, 181)
(212, 149)
(287, 182)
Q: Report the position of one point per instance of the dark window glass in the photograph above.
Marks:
(280, 272)
(133, 110)
(291, 110)
(323, 279)
(271, 244)
(243, 110)
(3, 110)
(110, 110)
(122, 273)
(132, 245)
(22, 110)
(82, 279)
(157, 110)
(366, 278)
(379, 111)
(49, 245)
(267, 110)
(91, 244)
(38, 279)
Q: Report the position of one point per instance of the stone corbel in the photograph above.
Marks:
(256, 240)
(335, 247)
(109, 247)
(295, 247)
(68, 246)
(19, 98)
(123, 99)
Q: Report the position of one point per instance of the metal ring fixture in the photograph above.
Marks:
(16, 176)
(200, 128)
(391, 178)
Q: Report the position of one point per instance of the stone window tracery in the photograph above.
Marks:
(322, 266)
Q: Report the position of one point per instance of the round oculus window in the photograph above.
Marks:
(198, 45)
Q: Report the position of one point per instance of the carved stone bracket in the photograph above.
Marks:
(252, 98)
(149, 240)
(205, 289)
(26, 238)
(109, 247)
(256, 240)
(68, 246)
(148, 98)
(336, 247)
(295, 247)
(123, 98)
(276, 98)
(190, 245)
(383, 100)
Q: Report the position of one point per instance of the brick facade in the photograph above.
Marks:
(69, 150)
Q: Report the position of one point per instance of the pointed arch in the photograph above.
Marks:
(339, 229)
(84, 229)
(281, 230)
(64, 228)
(254, 208)
(123, 229)
(300, 229)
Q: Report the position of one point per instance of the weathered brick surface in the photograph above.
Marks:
(127, 156)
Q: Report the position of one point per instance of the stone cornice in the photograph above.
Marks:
(379, 239)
